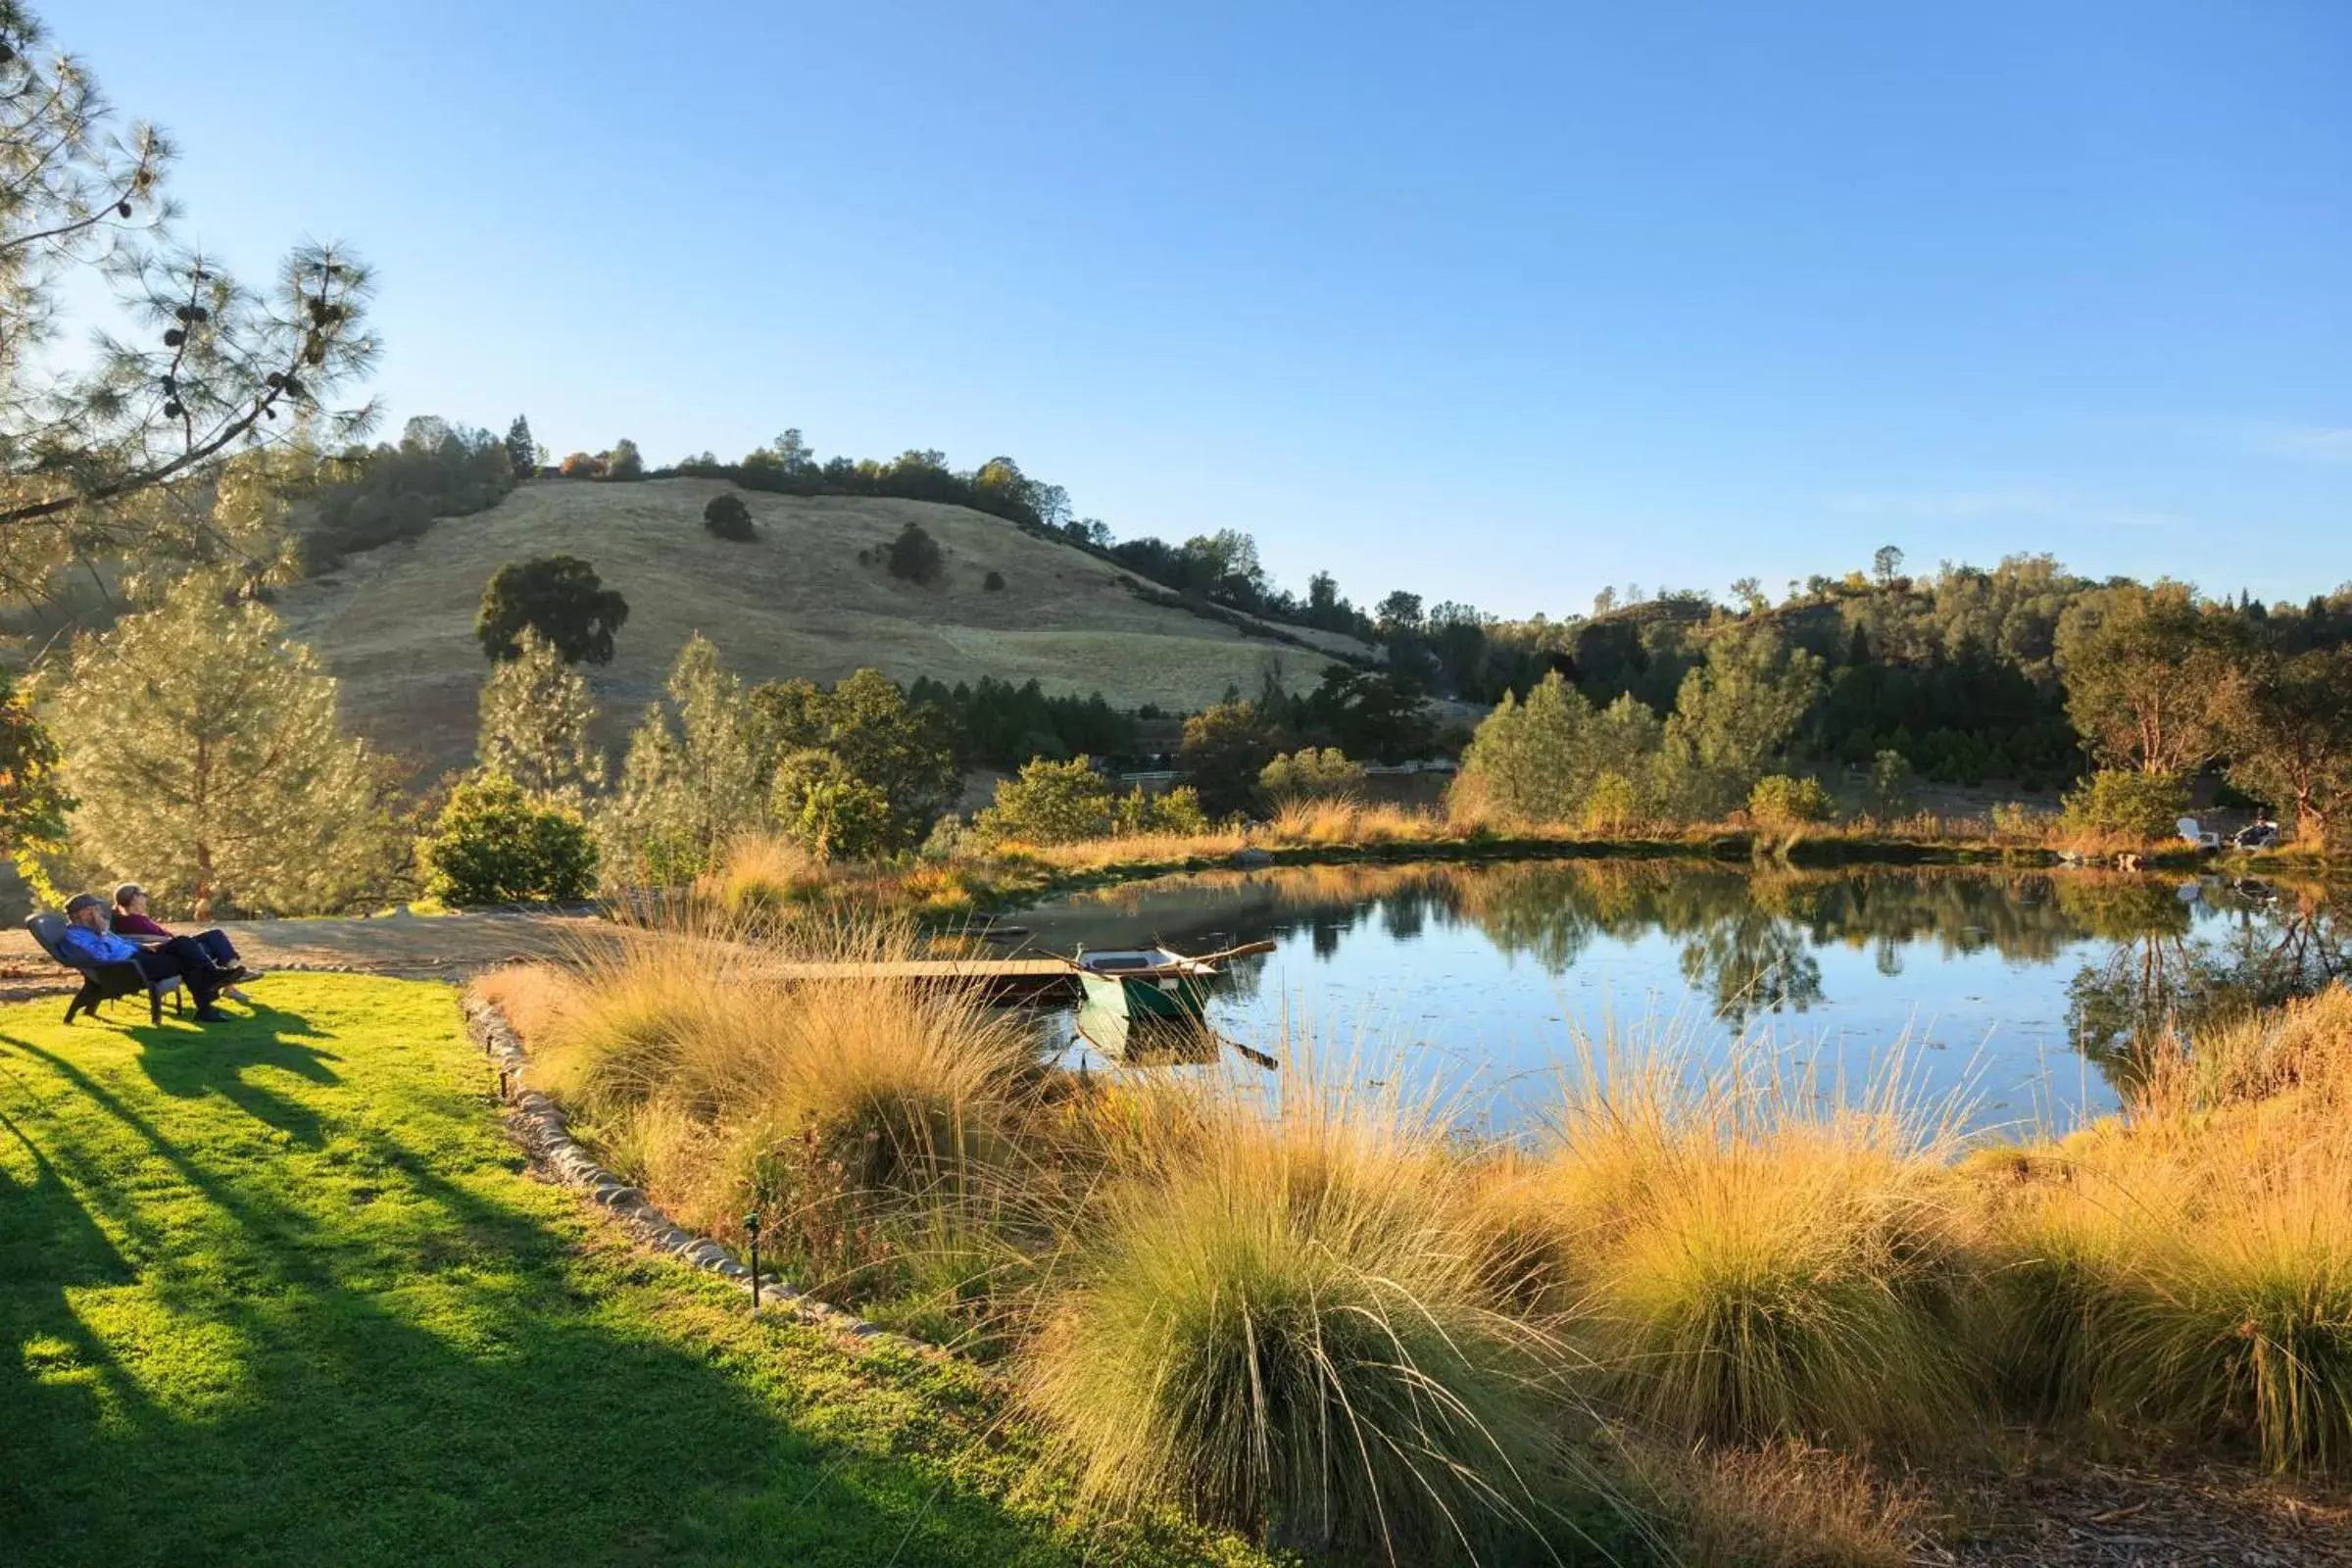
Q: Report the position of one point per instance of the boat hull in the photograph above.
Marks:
(1169, 998)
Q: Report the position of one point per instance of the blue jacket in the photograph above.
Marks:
(81, 945)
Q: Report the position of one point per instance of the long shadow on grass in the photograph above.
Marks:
(344, 1356)
(186, 1064)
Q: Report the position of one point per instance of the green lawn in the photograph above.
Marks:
(280, 1291)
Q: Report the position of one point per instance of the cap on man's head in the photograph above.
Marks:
(84, 901)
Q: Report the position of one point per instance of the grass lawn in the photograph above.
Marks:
(280, 1291)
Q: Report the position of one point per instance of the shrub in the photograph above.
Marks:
(1310, 775)
(1225, 748)
(994, 582)
(1283, 1321)
(1892, 795)
(2017, 820)
(1779, 800)
(1612, 805)
(1178, 812)
(1050, 803)
(494, 843)
(2127, 804)
(914, 554)
(843, 819)
(728, 518)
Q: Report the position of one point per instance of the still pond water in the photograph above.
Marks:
(2013, 990)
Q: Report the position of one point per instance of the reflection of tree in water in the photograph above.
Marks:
(2161, 977)
(1749, 938)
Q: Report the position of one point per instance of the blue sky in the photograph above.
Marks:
(1500, 303)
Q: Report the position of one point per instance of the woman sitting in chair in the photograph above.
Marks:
(130, 919)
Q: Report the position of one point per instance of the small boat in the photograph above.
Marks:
(1150, 1041)
(1136, 983)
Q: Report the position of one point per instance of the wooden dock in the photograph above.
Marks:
(1001, 979)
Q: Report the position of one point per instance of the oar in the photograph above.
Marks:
(1246, 949)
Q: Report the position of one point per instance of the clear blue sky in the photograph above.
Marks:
(1501, 303)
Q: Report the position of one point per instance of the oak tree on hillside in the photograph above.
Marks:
(97, 451)
(563, 598)
(914, 554)
(728, 518)
(2288, 726)
(2145, 667)
(206, 757)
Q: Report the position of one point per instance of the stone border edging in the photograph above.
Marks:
(540, 1124)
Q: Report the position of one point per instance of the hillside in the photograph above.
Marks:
(396, 624)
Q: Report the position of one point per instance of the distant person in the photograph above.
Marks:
(86, 940)
(130, 919)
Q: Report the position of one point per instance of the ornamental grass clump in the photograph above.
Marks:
(1281, 1316)
(1764, 1256)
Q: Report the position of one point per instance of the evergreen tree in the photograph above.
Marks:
(521, 451)
(1732, 716)
(32, 800)
(536, 712)
(89, 451)
(695, 776)
(207, 760)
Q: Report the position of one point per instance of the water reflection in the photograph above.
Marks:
(2084, 960)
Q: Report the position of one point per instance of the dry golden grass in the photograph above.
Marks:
(396, 624)
(1786, 1504)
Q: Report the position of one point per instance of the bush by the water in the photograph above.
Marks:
(728, 518)
(2127, 804)
(1308, 774)
(1779, 800)
(496, 844)
(1064, 802)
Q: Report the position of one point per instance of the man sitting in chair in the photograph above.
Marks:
(130, 919)
(88, 940)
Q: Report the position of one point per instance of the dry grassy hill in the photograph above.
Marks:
(396, 624)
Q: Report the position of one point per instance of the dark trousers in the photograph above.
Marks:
(186, 957)
(217, 948)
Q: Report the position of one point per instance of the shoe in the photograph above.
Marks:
(234, 995)
(209, 1014)
(237, 975)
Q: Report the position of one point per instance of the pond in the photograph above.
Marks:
(2017, 991)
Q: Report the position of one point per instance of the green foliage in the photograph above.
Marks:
(2287, 721)
(697, 775)
(32, 799)
(1613, 803)
(1539, 759)
(562, 597)
(495, 843)
(728, 518)
(364, 499)
(1177, 810)
(1307, 774)
(833, 816)
(1732, 716)
(2145, 669)
(1382, 715)
(623, 462)
(191, 365)
(1225, 748)
(1050, 803)
(536, 713)
(522, 453)
(2129, 803)
(1779, 800)
(914, 554)
(994, 582)
(208, 761)
(1002, 725)
(1892, 794)
(902, 748)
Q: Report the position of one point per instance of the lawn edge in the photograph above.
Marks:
(539, 1124)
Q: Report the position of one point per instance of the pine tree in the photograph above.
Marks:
(536, 713)
(521, 451)
(695, 776)
(91, 448)
(207, 760)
